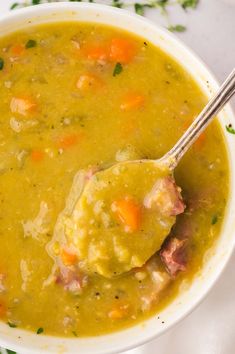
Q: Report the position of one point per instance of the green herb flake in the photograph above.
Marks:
(230, 129)
(30, 44)
(10, 351)
(139, 8)
(40, 330)
(1, 64)
(162, 4)
(12, 325)
(117, 3)
(177, 28)
(214, 219)
(118, 69)
(74, 333)
(14, 6)
(188, 3)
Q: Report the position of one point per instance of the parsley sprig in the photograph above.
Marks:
(230, 129)
(139, 6)
(117, 69)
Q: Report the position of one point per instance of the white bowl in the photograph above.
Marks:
(26, 342)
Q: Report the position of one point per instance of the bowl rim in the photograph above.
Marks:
(120, 13)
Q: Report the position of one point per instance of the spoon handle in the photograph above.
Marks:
(226, 91)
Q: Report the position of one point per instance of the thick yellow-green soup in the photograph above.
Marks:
(76, 98)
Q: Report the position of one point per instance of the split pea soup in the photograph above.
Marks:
(76, 98)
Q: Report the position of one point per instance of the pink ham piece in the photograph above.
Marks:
(71, 279)
(173, 255)
(165, 197)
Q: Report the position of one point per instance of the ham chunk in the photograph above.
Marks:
(173, 255)
(71, 279)
(165, 197)
(159, 280)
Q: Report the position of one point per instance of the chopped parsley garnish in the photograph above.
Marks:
(40, 330)
(118, 69)
(138, 6)
(75, 333)
(117, 3)
(162, 3)
(188, 3)
(177, 28)
(14, 6)
(12, 325)
(1, 63)
(10, 351)
(24, 4)
(30, 44)
(214, 219)
(230, 129)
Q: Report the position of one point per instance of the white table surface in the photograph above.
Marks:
(210, 329)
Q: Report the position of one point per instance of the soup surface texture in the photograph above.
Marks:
(80, 97)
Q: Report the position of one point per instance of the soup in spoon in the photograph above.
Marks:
(123, 216)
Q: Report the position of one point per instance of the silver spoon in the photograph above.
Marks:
(215, 105)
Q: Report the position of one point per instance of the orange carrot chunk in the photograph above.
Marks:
(37, 155)
(118, 312)
(68, 141)
(22, 106)
(121, 50)
(128, 212)
(17, 50)
(97, 52)
(199, 143)
(132, 101)
(68, 258)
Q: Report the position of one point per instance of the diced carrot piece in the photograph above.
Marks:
(118, 312)
(121, 50)
(132, 101)
(37, 155)
(17, 50)
(128, 212)
(199, 143)
(87, 81)
(68, 258)
(97, 52)
(68, 141)
(3, 310)
(22, 106)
